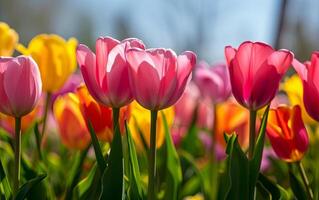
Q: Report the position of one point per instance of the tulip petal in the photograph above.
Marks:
(300, 132)
(230, 53)
(300, 69)
(281, 60)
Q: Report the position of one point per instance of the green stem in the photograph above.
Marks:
(252, 132)
(213, 155)
(152, 158)
(116, 114)
(97, 149)
(46, 111)
(305, 179)
(17, 155)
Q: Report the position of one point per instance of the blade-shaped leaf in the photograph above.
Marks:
(275, 190)
(4, 183)
(174, 171)
(234, 183)
(27, 187)
(113, 176)
(297, 187)
(135, 177)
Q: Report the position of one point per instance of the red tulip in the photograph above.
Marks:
(309, 74)
(106, 73)
(213, 81)
(287, 133)
(255, 70)
(158, 76)
(20, 85)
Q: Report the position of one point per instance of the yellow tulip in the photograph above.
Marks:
(56, 59)
(8, 40)
(294, 90)
(140, 124)
(72, 126)
(195, 197)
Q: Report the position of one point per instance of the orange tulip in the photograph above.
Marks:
(287, 133)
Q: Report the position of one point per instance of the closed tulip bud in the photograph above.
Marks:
(309, 74)
(140, 123)
(55, 57)
(100, 116)
(106, 72)
(158, 76)
(255, 70)
(287, 133)
(72, 127)
(20, 85)
(8, 40)
(213, 81)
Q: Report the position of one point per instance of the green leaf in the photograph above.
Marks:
(113, 176)
(254, 163)
(234, 183)
(97, 149)
(297, 187)
(135, 177)
(4, 183)
(28, 186)
(38, 139)
(275, 191)
(173, 165)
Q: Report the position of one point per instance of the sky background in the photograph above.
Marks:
(204, 26)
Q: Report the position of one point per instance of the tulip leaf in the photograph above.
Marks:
(135, 177)
(113, 175)
(255, 162)
(297, 187)
(274, 191)
(26, 188)
(234, 183)
(89, 187)
(4, 183)
(97, 148)
(173, 166)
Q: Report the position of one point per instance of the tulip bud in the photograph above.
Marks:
(8, 40)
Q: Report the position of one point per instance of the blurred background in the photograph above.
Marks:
(200, 25)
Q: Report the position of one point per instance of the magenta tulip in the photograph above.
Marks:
(158, 76)
(20, 85)
(106, 73)
(213, 81)
(255, 70)
(309, 75)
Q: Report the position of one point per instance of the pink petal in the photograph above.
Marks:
(281, 60)
(230, 53)
(300, 69)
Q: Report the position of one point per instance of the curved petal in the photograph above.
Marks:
(310, 98)
(230, 53)
(300, 69)
(301, 139)
(281, 60)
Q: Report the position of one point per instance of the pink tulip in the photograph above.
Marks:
(255, 70)
(213, 81)
(20, 85)
(309, 74)
(106, 73)
(158, 76)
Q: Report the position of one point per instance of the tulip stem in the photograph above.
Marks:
(305, 179)
(17, 155)
(116, 114)
(45, 115)
(152, 158)
(252, 133)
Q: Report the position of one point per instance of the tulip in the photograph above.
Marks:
(232, 118)
(8, 40)
(255, 70)
(287, 133)
(253, 65)
(71, 124)
(20, 90)
(294, 90)
(100, 116)
(158, 77)
(55, 57)
(106, 73)
(213, 82)
(310, 77)
(140, 124)
(20, 85)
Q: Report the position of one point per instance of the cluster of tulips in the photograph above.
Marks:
(137, 124)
